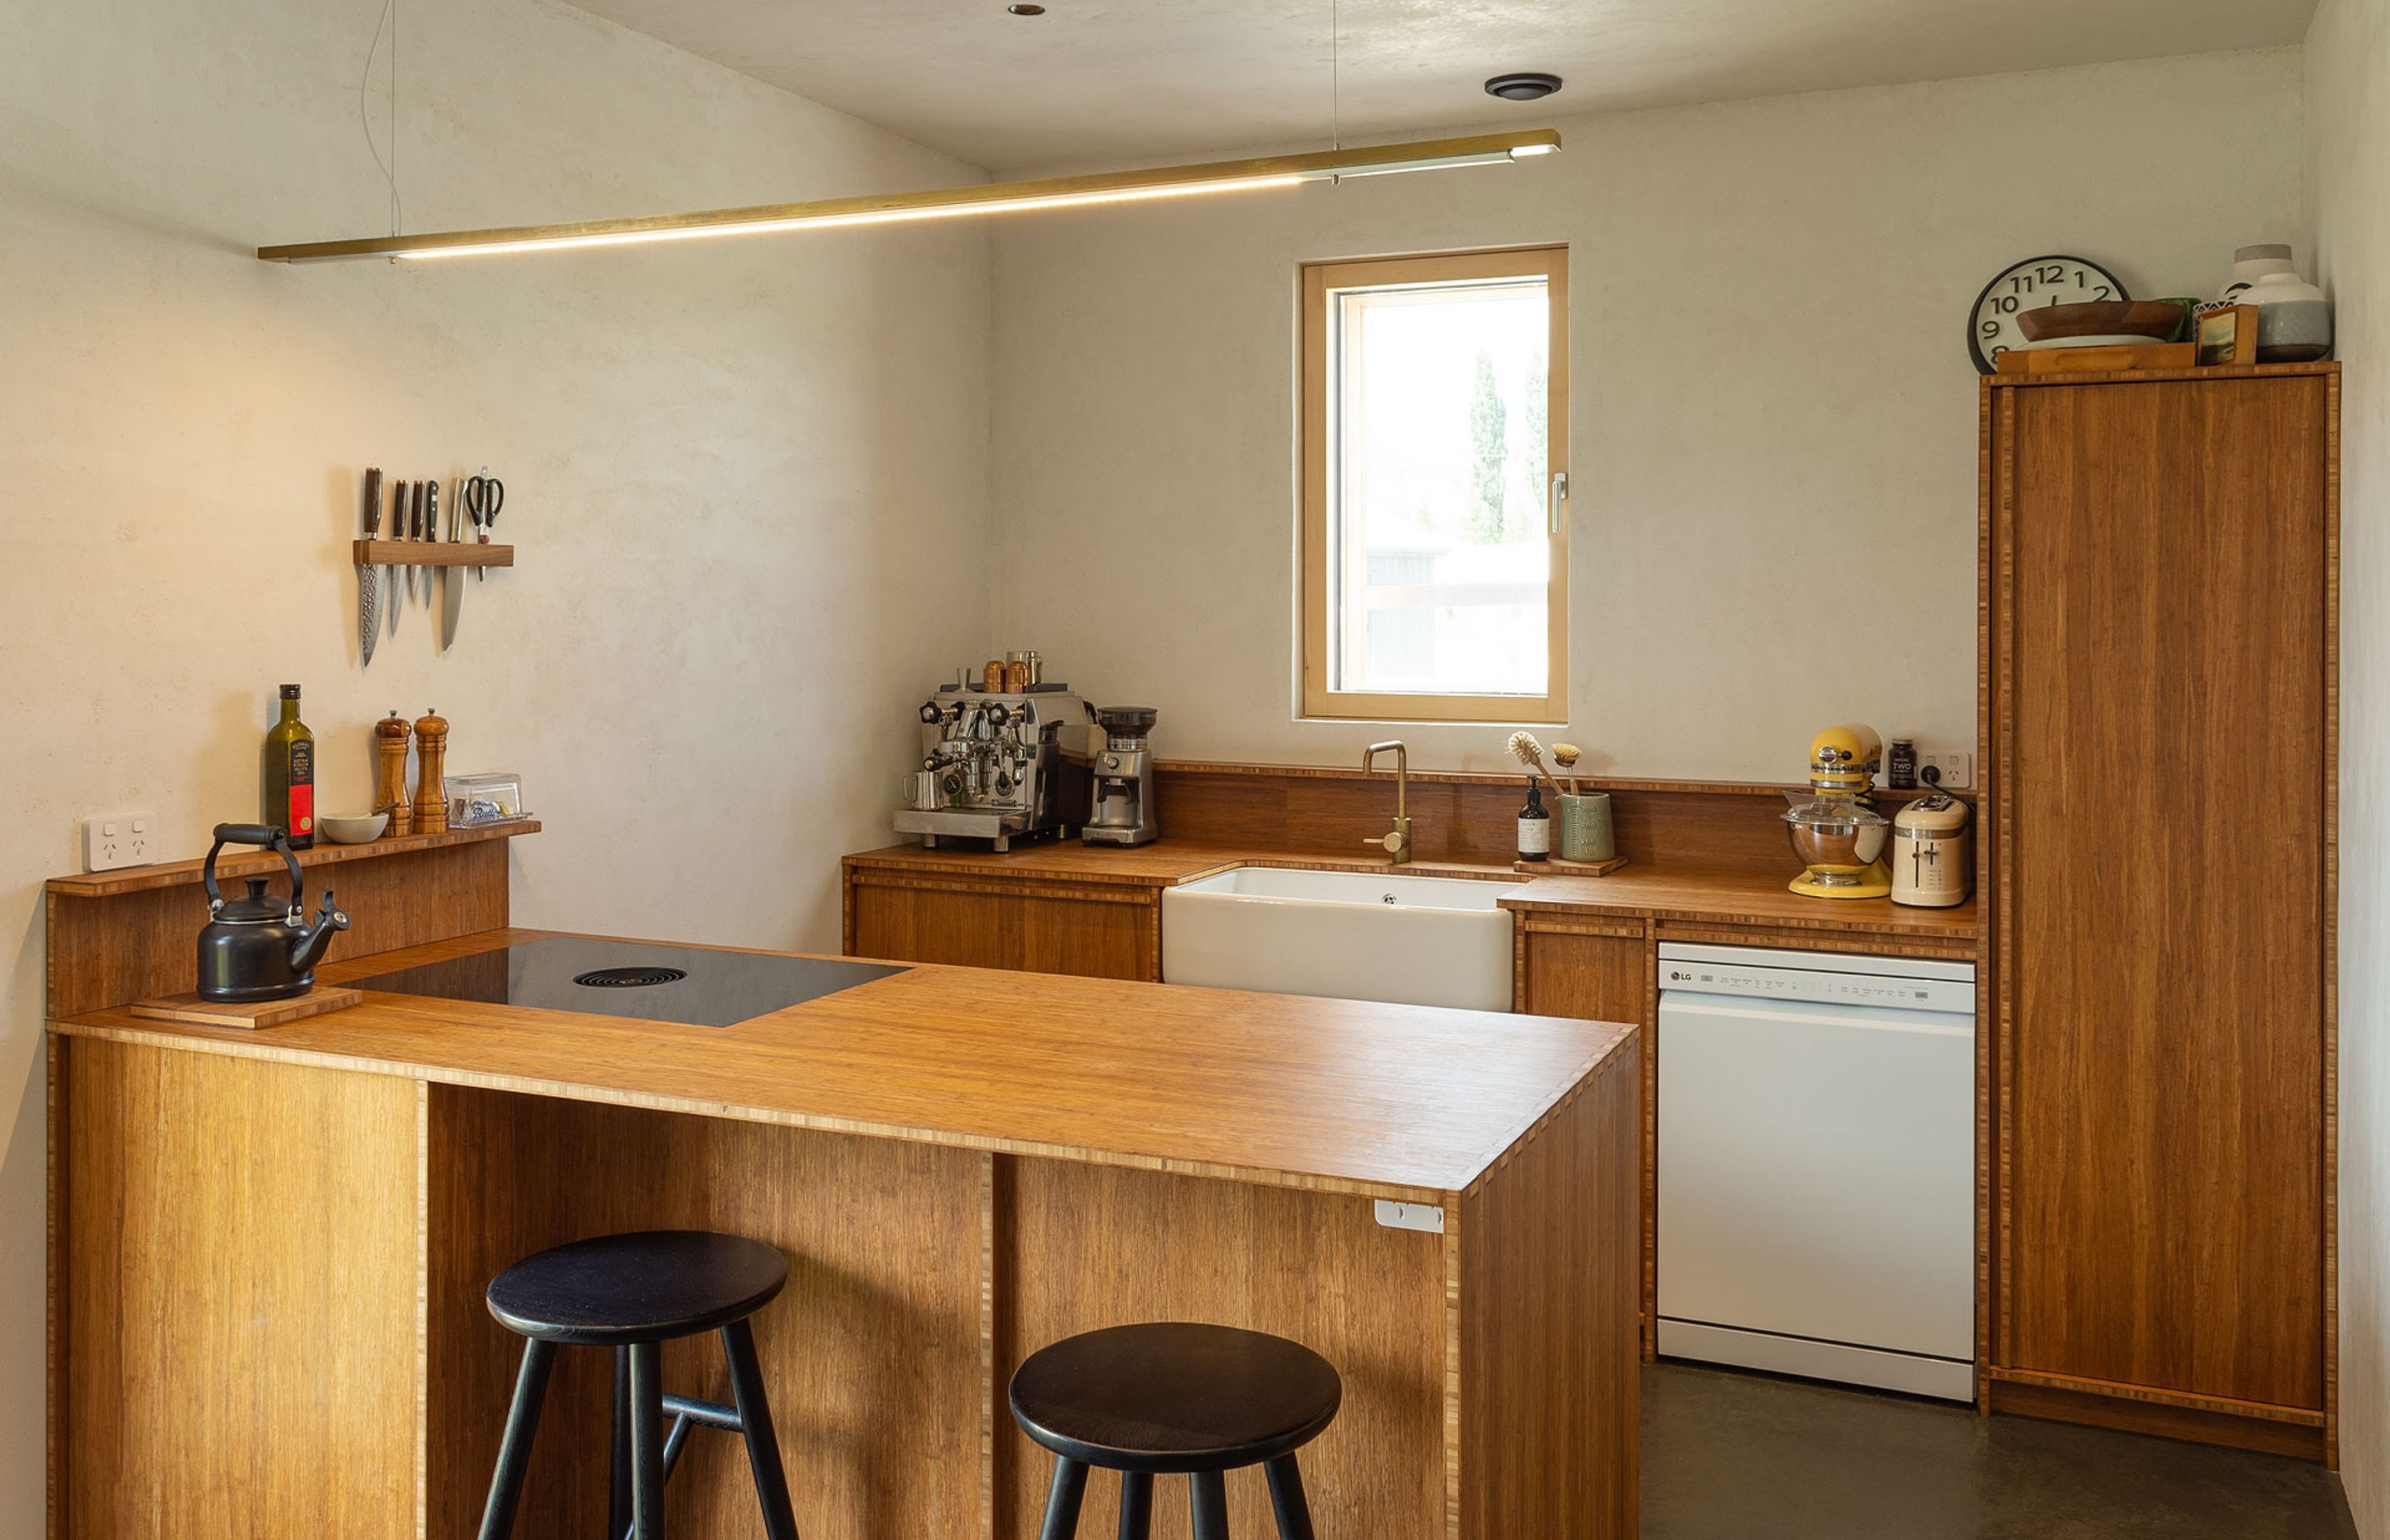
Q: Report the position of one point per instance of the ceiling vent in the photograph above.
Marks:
(1524, 87)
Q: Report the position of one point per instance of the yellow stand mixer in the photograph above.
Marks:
(1833, 830)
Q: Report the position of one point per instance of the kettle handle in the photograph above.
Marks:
(269, 835)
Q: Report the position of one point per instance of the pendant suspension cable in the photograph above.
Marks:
(387, 22)
(1335, 80)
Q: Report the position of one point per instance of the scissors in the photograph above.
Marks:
(484, 496)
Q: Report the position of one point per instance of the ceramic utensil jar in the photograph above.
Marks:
(1586, 832)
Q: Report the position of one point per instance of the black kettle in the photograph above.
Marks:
(258, 948)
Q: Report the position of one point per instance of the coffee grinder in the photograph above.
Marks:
(1123, 813)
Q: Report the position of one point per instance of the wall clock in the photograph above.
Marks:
(2037, 281)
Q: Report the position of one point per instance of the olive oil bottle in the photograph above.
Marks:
(291, 774)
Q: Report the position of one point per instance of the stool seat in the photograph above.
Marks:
(1170, 1397)
(651, 1285)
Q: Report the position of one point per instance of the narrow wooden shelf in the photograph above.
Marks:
(250, 862)
(430, 553)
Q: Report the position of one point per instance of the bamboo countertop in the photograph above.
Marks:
(1394, 1102)
(1163, 864)
(1642, 892)
(1735, 898)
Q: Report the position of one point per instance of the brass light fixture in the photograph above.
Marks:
(1280, 170)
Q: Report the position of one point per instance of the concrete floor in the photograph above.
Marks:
(1736, 1457)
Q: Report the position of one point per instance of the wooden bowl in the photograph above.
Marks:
(2154, 320)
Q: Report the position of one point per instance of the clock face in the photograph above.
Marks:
(2030, 285)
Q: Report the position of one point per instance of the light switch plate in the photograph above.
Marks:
(1411, 1216)
(1950, 772)
(115, 839)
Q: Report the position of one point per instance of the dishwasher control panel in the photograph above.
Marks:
(1766, 973)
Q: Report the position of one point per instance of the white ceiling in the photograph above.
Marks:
(1125, 81)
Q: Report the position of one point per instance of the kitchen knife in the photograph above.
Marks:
(402, 510)
(431, 530)
(414, 529)
(390, 572)
(369, 576)
(452, 579)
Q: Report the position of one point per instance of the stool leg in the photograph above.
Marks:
(618, 1499)
(1207, 1492)
(1287, 1500)
(1136, 1506)
(514, 1449)
(755, 1419)
(647, 1440)
(1062, 1500)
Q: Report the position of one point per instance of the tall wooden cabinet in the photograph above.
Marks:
(2160, 614)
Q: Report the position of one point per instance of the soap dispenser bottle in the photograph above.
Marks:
(1534, 827)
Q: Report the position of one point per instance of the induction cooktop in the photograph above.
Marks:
(690, 985)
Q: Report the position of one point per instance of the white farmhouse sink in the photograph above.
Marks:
(1421, 941)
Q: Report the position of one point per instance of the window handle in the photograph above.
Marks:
(1559, 496)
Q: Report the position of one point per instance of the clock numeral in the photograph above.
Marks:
(2051, 272)
(2100, 292)
(1991, 328)
(2005, 304)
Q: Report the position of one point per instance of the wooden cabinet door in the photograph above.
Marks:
(1597, 977)
(1096, 932)
(2163, 732)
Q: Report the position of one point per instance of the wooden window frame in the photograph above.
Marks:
(1318, 280)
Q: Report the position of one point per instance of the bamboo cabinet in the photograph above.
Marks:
(2161, 628)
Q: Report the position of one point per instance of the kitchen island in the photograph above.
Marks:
(269, 1247)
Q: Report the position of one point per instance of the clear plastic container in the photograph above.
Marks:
(476, 801)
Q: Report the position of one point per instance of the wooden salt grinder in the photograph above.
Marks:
(431, 801)
(389, 772)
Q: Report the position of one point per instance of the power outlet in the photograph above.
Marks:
(118, 839)
(1950, 772)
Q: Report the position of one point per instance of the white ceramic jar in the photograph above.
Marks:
(2293, 319)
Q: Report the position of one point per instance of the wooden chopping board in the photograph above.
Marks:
(191, 1010)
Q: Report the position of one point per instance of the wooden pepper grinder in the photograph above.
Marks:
(389, 772)
(431, 749)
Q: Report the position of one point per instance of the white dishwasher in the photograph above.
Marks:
(1817, 1165)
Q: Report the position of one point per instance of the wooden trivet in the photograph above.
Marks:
(1558, 868)
(191, 1010)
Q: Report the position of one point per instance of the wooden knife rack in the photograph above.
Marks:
(431, 553)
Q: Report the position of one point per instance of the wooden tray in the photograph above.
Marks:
(2154, 355)
(190, 1009)
(1558, 868)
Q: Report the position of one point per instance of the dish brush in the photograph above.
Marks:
(1565, 755)
(1527, 752)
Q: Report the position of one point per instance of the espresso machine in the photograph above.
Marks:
(1123, 811)
(1000, 766)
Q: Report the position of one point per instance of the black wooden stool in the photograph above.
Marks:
(1169, 1398)
(634, 1294)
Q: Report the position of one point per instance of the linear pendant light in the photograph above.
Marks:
(1280, 170)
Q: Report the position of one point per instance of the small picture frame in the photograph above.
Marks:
(2228, 334)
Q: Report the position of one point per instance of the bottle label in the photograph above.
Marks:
(1535, 836)
(302, 788)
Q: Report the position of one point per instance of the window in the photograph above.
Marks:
(1435, 450)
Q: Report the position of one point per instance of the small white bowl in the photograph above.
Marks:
(357, 829)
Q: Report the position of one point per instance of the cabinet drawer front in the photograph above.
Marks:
(1108, 934)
